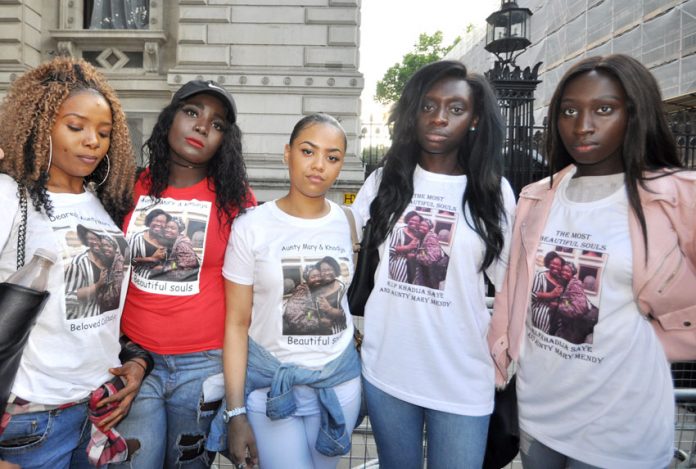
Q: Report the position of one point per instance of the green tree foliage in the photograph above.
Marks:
(428, 49)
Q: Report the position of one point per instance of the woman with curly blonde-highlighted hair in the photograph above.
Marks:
(66, 147)
(28, 114)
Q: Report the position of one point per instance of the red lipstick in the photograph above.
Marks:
(194, 142)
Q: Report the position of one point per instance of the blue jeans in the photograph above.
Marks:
(453, 441)
(170, 418)
(537, 455)
(55, 439)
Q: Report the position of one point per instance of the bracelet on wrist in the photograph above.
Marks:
(139, 364)
(131, 350)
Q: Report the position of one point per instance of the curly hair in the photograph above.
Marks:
(226, 170)
(28, 114)
(480, 156)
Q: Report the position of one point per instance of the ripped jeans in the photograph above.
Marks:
(170, 418)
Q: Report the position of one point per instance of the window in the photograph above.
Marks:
(126, 36)
(116, 14)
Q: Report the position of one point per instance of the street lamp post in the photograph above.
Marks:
(508, 34)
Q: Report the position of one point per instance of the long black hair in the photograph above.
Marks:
(226, 169)
(648, 143)
(480, 156)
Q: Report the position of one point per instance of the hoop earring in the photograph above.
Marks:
(108, 168)
(50, 153)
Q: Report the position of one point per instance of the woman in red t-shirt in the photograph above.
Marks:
(196, 175)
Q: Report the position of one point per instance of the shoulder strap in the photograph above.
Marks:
(353, 232)
(22, 229)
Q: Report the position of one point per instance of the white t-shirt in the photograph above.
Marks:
(75, 339)
(596, 391)
(300, 310)
(426, 318)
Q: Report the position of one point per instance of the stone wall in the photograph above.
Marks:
(281, 59)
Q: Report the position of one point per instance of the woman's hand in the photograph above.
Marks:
(103, 274)
(553, 294)
(556, 292)
(4, 464)
(323, 304)
(407, 248)
(160, 254)
(241, 442)
(133, 371)
(326, 308)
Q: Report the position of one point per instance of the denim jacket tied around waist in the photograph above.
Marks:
(264, 370)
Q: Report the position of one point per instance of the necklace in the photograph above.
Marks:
(190, 164)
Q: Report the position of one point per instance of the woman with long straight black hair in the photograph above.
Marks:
(425, 359)
(594, 388)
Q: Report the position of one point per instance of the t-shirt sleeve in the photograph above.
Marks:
(496, 271)
(239, 255)
(366, 194)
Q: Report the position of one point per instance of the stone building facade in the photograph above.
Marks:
(280, 59)
(659, 33)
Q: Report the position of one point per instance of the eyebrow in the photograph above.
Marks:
(80, 116)
(313, 145)
(606, 96)
(200, 106)
(449, 98)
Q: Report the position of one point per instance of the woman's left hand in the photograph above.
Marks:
(133, 373)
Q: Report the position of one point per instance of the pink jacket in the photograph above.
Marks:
(664, 284)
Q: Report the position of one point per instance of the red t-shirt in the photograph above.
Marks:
(176, 299)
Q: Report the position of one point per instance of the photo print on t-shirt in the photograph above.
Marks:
(95, 257)
(566, 288)
(420, 243)
(167, 242)
(313, 289)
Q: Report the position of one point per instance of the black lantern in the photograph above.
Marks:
(508, 34)
(508, 31)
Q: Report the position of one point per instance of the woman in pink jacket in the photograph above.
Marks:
(623, 211)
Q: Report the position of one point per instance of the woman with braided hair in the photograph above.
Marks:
(67, 148)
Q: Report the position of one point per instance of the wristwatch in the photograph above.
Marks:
(227, 415)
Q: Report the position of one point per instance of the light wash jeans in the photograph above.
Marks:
(291, 442)
(55, 439)
(453, 441)
(171, 415)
